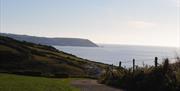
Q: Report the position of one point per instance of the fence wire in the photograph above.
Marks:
(146, 60)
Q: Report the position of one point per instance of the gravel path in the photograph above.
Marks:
(92, 85)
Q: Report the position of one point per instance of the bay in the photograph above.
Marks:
(113, 54)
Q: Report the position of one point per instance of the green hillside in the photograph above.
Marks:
(39, 60)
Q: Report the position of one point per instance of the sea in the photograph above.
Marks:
(113, 54)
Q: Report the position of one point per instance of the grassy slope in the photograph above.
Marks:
(25, 83)
(17, 56)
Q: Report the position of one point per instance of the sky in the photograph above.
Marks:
(132, 22)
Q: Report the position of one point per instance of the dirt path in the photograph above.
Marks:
(92, 85)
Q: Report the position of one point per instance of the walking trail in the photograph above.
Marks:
(92, 85)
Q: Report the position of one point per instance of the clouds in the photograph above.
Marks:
(178, 3)
(141, 24)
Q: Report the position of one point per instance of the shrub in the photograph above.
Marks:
(165, 77)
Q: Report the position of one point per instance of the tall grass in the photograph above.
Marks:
(165, 77)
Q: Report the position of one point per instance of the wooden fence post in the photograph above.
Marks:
(133, 65)
(156, 61)
(119, 64)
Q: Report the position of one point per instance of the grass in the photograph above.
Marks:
(5, 48)
(10, 82)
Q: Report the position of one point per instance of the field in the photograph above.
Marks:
(10, 82)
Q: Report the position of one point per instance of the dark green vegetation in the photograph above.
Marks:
(25, 83)
(20, 57)
(52, 41)
(165, 77)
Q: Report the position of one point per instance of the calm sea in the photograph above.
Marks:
(112, 54)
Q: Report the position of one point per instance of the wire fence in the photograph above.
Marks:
(154, 61)
(146, 60)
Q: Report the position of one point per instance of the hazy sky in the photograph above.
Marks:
(140, 22)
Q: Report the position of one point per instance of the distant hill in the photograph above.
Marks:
(53, 41)
(27, 58)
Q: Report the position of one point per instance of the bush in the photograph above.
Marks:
(165, 77)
